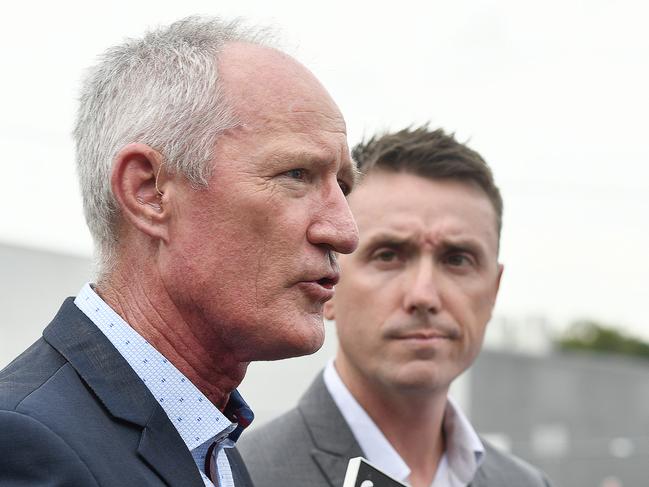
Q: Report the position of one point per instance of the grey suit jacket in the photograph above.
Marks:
(311, 445)
(74, 413)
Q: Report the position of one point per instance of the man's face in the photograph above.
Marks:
(253, 257)
(414, 299)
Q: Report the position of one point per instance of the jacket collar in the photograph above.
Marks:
(122, 392)
(334, 442)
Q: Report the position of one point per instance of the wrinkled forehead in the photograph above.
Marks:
(403, 203)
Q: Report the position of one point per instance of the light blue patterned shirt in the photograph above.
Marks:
(196, 419)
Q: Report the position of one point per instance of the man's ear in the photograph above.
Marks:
(138, 190)
(328, 309)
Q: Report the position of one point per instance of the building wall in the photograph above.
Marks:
(581, 417)
(33, 284)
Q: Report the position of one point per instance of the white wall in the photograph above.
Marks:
(33, 284)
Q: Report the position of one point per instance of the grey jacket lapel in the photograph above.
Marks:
(240, 473)
(479, 480)
(122, 392)
(334, 442)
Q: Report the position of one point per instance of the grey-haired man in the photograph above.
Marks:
(214, 171)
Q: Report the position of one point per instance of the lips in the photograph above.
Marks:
(424, 335)
(329, 281)
(428, 331)
(319, 287)
(325, 278)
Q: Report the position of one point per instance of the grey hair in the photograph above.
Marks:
(162, 90)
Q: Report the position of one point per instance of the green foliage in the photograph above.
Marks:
(593, 336)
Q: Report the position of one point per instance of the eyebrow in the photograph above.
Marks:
(470, 244)
(389, 238)
(400, 239)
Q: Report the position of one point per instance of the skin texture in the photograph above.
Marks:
(413, 302)
(239, 271)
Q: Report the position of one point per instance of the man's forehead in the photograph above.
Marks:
(405, 205)
(310, 115)
(397, 232)
(262, 83)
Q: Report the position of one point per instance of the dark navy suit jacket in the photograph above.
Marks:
(74, 413)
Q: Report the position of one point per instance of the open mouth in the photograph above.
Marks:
(327, 282)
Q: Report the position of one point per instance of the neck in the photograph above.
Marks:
(412, 421)
(143, 303)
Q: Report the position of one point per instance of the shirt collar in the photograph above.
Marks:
(238, 411)
(464, 451)
(375, 446)
(195, 418)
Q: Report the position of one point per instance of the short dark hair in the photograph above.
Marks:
(430, 154)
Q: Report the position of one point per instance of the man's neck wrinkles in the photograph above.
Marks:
(152, 314)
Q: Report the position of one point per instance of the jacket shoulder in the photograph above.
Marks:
(270, 444)
(27, 373)
(32, 454)
(500, 469)
(283, 453)
(309, 445)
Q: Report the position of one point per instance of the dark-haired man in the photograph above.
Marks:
(411, 309)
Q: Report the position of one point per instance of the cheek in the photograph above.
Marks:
(483, 303)
(279, 229)
(473, 323)
(471, 301)
(376, 289)
(360, 341)
(260, 240)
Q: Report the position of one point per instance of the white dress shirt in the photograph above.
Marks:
(464, 451)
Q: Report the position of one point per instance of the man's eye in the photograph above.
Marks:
(385, 255)
(458, 260)
(296, 174)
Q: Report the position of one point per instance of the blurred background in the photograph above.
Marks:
(553, 94)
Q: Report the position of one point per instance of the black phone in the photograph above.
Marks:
(361, 473)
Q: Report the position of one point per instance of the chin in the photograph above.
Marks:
(290, 350)
(296, 344)
(421, 377)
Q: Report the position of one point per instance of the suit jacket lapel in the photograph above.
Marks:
(122, 392)
(334, 442)
(170, 459)
(240, 473)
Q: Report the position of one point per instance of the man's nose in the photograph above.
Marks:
(334, 226)
(421, 293)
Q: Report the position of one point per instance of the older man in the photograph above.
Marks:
(214, 173)
(411, 310)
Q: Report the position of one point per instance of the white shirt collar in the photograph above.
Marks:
(464, 451)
